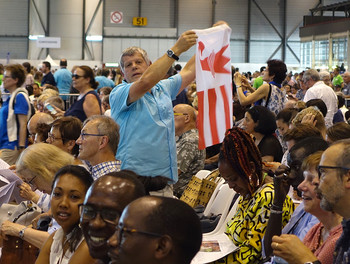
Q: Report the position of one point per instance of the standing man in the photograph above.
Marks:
(63, 78)
(319, 90)
(190, 159)
(334, 191)
(103, 80)
(142, 106)
(48, 76)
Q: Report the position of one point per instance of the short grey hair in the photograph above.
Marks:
(108, 127)
(130, 52)
(311, 75)
(324, 74)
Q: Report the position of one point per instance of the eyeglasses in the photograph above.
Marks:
(120, 230)
(88, 213)
(321, 169)
(179, 114)
(30, 183)
(7, 77)
(76, 76)
(83, 135)
(52, 136)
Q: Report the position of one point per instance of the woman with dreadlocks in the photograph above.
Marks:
(240, 165)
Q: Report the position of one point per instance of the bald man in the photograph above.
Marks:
(38, 118)
(156, 230)
(189, 158)
(103, 205)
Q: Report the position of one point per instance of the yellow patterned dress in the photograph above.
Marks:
(248, 226)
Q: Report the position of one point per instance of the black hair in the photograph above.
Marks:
(341, 101)
(265, 118)
(85, 177)
(277, 68)
(319, 103)
(178, 220)
(309, 146)
(47, 64)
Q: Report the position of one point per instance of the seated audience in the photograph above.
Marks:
(190, 159)
(291, 175)
(98, 143)
(67, 244)
(334, 192)
(64, 133)
(42, 132)
(34, 121)
(240, 165)
(320, 241)
(103, 205)
(156, 230)
(32, 167)
(311, 116)
(337, 132)
(106, 108)
(260, 122)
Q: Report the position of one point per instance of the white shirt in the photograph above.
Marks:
(322, 91)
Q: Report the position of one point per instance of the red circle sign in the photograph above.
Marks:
(116, 17)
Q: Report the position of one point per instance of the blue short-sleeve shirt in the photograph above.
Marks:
(147, 132)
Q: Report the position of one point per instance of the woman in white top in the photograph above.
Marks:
(67, 244)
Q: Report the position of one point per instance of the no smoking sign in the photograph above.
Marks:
(116, 17)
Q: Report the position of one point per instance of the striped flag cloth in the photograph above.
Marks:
(214, 84)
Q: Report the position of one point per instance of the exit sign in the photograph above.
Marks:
(139, 21)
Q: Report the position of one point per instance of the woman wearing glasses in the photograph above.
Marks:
(63, 134)
(88, 102)
(67, 244)
(14, 114)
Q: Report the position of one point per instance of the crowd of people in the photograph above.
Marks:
(108, 170)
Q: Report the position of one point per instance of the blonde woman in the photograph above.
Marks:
(37, 166)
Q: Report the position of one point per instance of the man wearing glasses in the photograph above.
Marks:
(103, 205)
(156, 230)
(98, 143)
(142, 106)
(334, 192)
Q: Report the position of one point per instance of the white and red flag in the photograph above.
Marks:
(214, 84)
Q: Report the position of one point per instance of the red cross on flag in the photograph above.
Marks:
(214, 84)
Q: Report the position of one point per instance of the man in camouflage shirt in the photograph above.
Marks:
(189, 158)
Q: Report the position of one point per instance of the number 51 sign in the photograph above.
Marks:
(139, 21)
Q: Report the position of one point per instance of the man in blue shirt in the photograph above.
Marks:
(103, 81)
(142, 106)
(63, 78)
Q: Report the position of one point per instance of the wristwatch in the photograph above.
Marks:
(21, 233)
(171, 54)
(313, 262)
